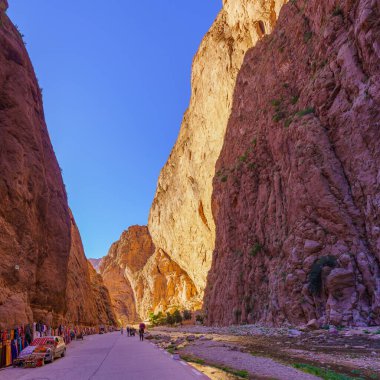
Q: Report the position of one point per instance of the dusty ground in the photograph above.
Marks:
(269, 353)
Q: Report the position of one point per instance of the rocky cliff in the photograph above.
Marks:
(88, 300)
(181, 221)
(142, 279)
(37, 244)
(96, 263)
(296, 195)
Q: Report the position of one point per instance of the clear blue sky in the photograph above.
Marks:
(116, 81)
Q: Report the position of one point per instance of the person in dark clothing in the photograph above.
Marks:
(128, 330)
(141, 331)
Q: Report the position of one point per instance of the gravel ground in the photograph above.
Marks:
(260, 367)
(352, 352)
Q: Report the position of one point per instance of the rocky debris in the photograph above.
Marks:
(313, 324)
(43, 271)
(295, 197)
(316, 347)
(181, 221)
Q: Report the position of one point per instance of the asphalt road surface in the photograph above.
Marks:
(110, 356)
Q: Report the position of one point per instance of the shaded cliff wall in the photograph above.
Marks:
(36, 250)
(297, 192)
(181, 221)
(87, 299)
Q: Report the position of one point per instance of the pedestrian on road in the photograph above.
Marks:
(122, 330)
(141, 331)
(128, 331)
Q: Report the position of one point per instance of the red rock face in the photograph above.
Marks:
(297, 193)
(42, 263)
(119, 269)
(96, 263)
(34, 217)
(87, 299)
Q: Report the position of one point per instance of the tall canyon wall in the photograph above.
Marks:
(181, 222)
(296, 197)
(40, 249)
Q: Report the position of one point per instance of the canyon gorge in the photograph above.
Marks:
(285, 228)
(267, 210)
(44, 274)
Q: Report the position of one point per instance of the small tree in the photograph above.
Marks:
(186, 315)
(169, 319)
(199, 318)
(153, 319)
(177, 316)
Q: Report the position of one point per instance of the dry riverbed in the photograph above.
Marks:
(255, 352)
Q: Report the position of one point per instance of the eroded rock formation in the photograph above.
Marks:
(297, 192)
(142, 279)
(181, 221)
(36, 239)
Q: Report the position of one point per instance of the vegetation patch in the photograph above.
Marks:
(325, 374)
(294, 99)
(192, 359)
(176, 317)
(315, 275)
(255, 249)
(338, 11)
(305, 111)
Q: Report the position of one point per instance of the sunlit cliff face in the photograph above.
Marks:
(181, 221)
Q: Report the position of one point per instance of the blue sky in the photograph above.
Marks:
(116, 81)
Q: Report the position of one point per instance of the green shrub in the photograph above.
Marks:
(315, 275)
(276, 102)
(199, 318)
(169, 319)
(255, 249)
(325, 374)
(338, 11)
(294, 99)
(177, 316)
(305, 111)
(279, 115)
(224, 178)
(288, 121)
(187, 315)
(243, 158)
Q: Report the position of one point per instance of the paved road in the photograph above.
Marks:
(109, 357)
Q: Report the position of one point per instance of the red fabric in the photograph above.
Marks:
(42, 341)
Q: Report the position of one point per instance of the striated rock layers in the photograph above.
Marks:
(181, 221)
(297, 193)
(142, 279)
(37, 245)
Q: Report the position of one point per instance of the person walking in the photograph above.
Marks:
(128, 331)
(141, 331)
(122, 330)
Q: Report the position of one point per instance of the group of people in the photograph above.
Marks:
(131, 331)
